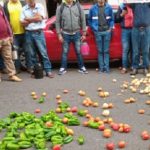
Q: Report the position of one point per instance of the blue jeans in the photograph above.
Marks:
(103, 42)
(140, 42)
(19, 41)
(2, 66)
(126, 45)
(35, 42)
(75, 39)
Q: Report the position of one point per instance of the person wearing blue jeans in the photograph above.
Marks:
(32, 18)
(75, 39)
(70, 18)
(126, 45)
(103, 42)
(140, 36)
(35, 40)
(101, 21)
(126, 21)
(140, 39)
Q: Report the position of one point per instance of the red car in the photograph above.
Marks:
(54, 47)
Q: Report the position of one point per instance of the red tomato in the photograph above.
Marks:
(56, 147)
(110, 146)
(121, 144)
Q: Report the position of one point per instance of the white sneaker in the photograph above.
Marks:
(62, 71)
(83, 70)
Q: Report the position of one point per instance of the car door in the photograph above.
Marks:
(54, 47)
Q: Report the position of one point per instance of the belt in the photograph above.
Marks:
(38, 30)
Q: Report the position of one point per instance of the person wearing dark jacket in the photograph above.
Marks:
(126, 21)
(141, 36)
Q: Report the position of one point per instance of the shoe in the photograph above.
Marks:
(62, 71)
(18, 71)
(134, 72)
(23, 68)
(30, 70)
(15, 78)
(83, 70)
(50, 75)
(123, 70)
(145, 72)
(4, 71)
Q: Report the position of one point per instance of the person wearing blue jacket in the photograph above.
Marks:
(101, 21)
(141, 36)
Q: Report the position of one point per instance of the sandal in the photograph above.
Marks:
(124, 70)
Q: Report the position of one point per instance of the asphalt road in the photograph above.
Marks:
(16, 97)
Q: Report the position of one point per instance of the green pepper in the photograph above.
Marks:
(73, 122)
(11, 146)
(8, 138)
(80, 140)
(13, 115)
(68, 139)
(81, 113)
(41, 99)
(24, 144)
(40, 143)
(50, 134)
(56, 138)
(93, 125)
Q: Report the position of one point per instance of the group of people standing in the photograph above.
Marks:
(135, 23)
(22, 24)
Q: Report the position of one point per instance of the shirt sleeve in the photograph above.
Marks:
(22, 16)
(41, 10)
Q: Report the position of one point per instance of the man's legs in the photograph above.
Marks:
(77, 43)
(98, 38)
(7, 57)
(41, 45)
(145, 47)
(30, 51)
(106, 44)
(136, 48)
(126, 44)
(66, 44)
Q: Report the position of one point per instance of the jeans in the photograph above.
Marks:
(35, 43)
(75, 39)
(140, 42)
(126, 45)
(19, 42)
(103, 42)
(2, 66)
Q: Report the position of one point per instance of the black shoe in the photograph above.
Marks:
(18, 71)
(134, 72)
(23, 68)
(30, 70)
(145, 72)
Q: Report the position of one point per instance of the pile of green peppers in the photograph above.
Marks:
(25, 130)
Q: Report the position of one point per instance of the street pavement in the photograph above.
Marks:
(16, 97)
